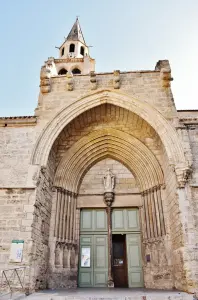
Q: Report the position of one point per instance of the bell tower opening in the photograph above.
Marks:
(72, 48)
(82, 50)
(76, 71)
(62, 72)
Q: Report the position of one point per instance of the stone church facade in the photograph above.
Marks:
(101, 184)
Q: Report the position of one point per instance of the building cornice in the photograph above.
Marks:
(189, 121)
(68, 60)
(18, 121)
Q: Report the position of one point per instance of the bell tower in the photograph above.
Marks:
(74, 58)
(74, 45)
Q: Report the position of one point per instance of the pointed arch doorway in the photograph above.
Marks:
(105, 132)
(126, 258)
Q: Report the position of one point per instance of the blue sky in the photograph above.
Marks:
(125, 35)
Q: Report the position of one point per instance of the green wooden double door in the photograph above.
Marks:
(93, 260)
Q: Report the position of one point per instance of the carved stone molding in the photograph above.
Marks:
(183, 174)
(70, 82)
(45, 80)
(116, 79)
(93, 80)
(156, 240)
(62, 190)
(165, 75)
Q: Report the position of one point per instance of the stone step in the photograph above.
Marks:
(116, 294)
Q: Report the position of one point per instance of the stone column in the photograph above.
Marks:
(108, 199)
(57, 221)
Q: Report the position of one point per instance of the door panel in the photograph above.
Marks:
(86, 220)
(125, 220)
(93, 273)
(100, 279)
(100, 220)
(135, 277)
(132, 219)
(85, 273)
(118, 220)
(92, 220)
(86, 279)
(100, 260)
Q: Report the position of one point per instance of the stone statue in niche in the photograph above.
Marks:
(109, 181)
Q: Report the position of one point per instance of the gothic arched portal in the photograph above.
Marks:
(107, 131)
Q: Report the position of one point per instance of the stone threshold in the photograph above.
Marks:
(110, 294)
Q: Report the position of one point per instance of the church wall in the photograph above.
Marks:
(173, 228)
(16, 217)
(193, 137)
(17, 137)
(194, 182)
(146, 86)
(187, 199)
(39, 259)
(25, 215)
(190, 223)
(16, 144)
(166, 268)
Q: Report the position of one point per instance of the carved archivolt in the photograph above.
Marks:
(108, 143)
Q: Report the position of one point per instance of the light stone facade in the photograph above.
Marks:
(84, 123)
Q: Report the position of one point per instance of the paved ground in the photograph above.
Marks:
(104, 294)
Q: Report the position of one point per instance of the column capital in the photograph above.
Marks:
(183, 173)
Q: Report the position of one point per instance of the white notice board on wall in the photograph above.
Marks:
(16, 251)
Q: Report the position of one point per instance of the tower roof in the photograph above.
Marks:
(76, 33)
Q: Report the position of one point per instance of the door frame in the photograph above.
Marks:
(137, 231)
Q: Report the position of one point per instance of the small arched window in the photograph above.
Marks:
(76, 71)
(71, 48)
(82, 50)
(62, 51)
(62, 72)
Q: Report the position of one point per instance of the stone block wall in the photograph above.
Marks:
(189, 135)
(39, 259)
(16, 145)
(16, 218)
(92, 183)
(144, 85)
